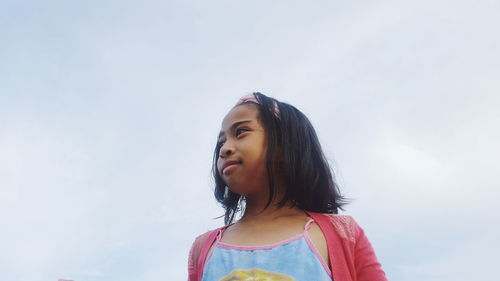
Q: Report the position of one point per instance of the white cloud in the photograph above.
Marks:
(108, 121)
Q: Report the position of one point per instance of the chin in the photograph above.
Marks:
(243, 191)
(238, 189)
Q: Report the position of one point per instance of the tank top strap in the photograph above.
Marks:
(219, 233)
(308, 224)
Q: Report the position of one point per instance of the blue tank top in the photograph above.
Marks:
(293, 259)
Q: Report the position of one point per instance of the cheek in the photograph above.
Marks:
(258, 166)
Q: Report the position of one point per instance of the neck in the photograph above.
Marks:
(255, 209)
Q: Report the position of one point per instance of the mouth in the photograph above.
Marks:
(229, 166)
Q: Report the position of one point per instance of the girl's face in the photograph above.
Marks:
(241, 162)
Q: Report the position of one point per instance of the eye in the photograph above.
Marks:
(240, 131)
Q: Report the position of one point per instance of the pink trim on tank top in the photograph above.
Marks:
(317, 254)
(304, 234)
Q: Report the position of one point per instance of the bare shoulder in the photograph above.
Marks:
(319, 241)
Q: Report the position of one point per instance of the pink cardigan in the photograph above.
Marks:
(351, 255)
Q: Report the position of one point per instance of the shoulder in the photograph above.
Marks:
(345, 226)
(198, 252)
(200, 241)
(353, 244)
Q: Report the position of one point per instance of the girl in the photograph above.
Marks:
(268, 165)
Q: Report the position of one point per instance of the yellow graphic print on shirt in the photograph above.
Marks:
(256, 275)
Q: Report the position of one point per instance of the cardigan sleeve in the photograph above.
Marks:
(368, 268)
(194, 254)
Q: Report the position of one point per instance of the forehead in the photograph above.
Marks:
(247, 111)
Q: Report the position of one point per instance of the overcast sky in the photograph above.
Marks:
(109, 112)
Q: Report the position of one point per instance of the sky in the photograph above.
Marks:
(109, 113)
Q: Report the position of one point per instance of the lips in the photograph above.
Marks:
(229, 164)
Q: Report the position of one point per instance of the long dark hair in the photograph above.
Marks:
(293, 152)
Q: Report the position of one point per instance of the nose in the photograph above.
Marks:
(226, 151)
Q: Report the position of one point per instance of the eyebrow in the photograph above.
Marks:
(234, 125)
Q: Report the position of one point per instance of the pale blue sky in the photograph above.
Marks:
(109, 112)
